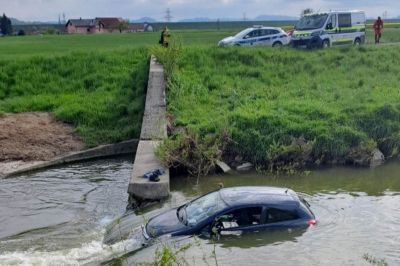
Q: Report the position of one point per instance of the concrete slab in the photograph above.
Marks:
(154, 125)
(223, 166)
(154, 130)
(141, 188)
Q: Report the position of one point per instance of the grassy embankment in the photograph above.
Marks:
(283, 108)
(95, 82)
(101, 94)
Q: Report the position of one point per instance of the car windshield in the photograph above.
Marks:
(201, 209)
(242, 33)
(311, 22)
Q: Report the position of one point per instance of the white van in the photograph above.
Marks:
(328, 29)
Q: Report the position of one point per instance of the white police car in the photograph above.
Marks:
(258, 36)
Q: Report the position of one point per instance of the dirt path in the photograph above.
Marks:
(30, 137)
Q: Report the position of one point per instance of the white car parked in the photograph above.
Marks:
(258, 36)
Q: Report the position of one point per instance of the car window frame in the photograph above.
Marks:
(274, 32)
(251, 37)
(263, 216)
(333, 20)
(293, 211)
(342, 25)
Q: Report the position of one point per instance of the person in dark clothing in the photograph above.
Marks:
(165, 36)
(378, 28)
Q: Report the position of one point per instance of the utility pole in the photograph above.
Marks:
(385, 13)
(244, 16)
(168, 15)
(59, 19)
(64, 20)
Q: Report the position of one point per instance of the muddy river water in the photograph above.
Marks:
(59, 216)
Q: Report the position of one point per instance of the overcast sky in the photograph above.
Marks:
(134, 9)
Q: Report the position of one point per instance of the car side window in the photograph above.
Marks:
(251, 34)
(344, 20)
(241, 218)
(265, 32)
(331, 22)
(275, 32)
(275, 215)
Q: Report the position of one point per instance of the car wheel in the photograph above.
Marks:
(277, 44)
(325, 44)
(357, 42)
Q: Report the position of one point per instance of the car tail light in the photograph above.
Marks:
(312, 222)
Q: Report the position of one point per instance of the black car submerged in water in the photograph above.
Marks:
(233, 209)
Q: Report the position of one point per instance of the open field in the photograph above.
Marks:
(290, 106)
(52, 45)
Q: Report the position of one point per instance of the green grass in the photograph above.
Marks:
(339, 100)
(97, 82)
(54, 45)
(101, 94)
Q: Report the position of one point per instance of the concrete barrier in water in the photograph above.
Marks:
(154, 130)
(103, 151)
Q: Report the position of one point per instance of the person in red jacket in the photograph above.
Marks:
(378, 28)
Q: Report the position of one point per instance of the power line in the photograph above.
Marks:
(385, 14)
(168, 16)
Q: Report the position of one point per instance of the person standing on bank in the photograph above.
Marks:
(165, 36)
(378, 28)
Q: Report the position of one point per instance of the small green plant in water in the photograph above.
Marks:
(374, 261)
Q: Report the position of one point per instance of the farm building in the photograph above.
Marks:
(141, 27)
(97, 25)
(81, 26)
(109, 25)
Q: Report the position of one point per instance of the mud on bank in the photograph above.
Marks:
(31, 137)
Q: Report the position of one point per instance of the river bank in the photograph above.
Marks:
(28, 139)
(281, 109)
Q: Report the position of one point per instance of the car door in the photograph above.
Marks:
(275, 36)
(332, 29)
(251, 38)
(240, 219)
(265, 38)
(345, 28)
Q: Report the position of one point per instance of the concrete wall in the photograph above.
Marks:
(122, 148)
(154, 130)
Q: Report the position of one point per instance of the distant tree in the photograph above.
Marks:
(5, 25)
(50, 31)
(123, 25)
(21, 33)
(306, 12)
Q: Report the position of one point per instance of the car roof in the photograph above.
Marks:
(238, 196)
(265, 28)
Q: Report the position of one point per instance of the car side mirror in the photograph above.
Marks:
(246, 37)
(329, 26)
